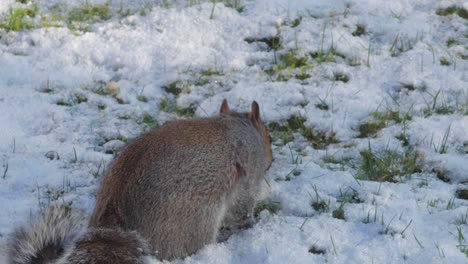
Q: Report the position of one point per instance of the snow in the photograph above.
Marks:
(413, 221)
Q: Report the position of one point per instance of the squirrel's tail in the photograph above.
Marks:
(45, 240)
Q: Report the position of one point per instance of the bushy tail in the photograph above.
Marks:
(46, 239)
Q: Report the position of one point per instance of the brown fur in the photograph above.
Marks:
(178, 184)
(108, 246)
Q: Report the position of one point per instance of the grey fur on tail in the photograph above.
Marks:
(58, 238)
(45, 240)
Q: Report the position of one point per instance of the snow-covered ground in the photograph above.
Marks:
(403, 72)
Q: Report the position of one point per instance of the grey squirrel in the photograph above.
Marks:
(167, 194)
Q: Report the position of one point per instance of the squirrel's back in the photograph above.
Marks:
(174, 184)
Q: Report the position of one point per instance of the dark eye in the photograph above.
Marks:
(269, 138)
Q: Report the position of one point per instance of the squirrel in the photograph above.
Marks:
(167, 194)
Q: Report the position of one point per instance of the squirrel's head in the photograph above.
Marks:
(254, 117)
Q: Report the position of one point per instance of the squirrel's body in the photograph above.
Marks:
(177, 185)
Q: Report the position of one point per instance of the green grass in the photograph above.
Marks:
(170, 106)
(271, 206)
(318, 203)
(388, 164)
(234, 4)
(79, 18)
(444, 61)
(339, 213)
(80, 98)
(62, 102)
(451, 41)
(19, 19)
(413, 87)
(360, 30)
(322, 106)
(273, 43)
(452, 10)
(89, 12)
(340, 77)
(401, 44)
(285, 130)
(331, 159)
(462, 246)
(142, 98)
(462, 219)
(175, 87)
(290, 65)
(442, 147)
(462, 194)
(380, 120)
(322, 56)
(437, 105)
(296, 22)
(317, 251)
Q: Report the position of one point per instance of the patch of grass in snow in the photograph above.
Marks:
(462, 246)
(273, 43)
(332, 159)
(47, 87)
(402, 44)
(322, 56)
(441, 174)
(89, 12)
(360, 30)
(318, 203)
(412, 87)
(170, 106)
(444, 61)
(54, 194)
(437, 104)
(78, 18)
(291, 65)
(451, 41)
(202, 78)
(97, 87)
(296, 22)
(142, 98)
(271, 206)
(451, 10)
(462, 194)
(340, 77)
(388, 165)
(379, 120)
(351, 195)
(462, 219)
(234, 4)
(147, 121)
(339, 213)
(80, 98)
(73, 100)
(176, 87)
(19, 19)
(285, 130)
(122, 12)
(316, 250)
(62, 102)
(442, 147)
(334, 163)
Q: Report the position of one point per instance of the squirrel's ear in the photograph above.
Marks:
(255, 112)
(224, 107)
